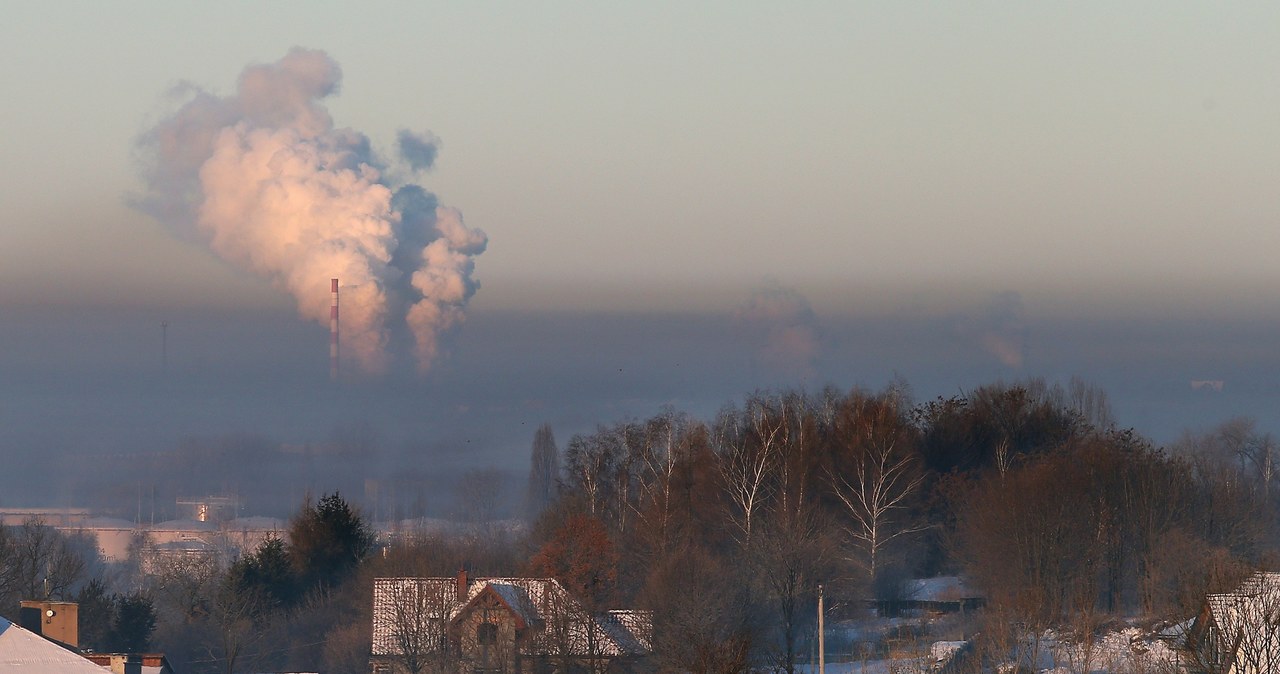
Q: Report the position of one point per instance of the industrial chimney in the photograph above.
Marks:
(333, 333)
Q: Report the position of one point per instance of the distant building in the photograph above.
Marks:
(54, 517)
(491, 625)
(209, 527)
(209, 508)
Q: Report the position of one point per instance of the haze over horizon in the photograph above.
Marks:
(682, 204)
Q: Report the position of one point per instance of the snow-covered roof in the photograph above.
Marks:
(517, 599)
(29, 653)
(941, 588)
(631, 630)
(1248, 616)
(106, 523)
(1175, 631)
(185, 525)
(535, 601)
(188, 546)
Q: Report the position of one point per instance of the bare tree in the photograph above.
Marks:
(701, 621)
(572, 637)
(749, 449)
(790, 556)
(37, 562)
(660, 466)
(182, 584)
(412, 623)
(875, 493)
(590, 462)
(236, 618)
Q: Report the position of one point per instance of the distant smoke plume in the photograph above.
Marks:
(999, 328)
(267, 180)
(783, 320)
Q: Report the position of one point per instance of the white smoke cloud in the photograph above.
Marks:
(265, 178)
(999, 329)
(786, 326)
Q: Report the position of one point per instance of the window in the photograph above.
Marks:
(487, 634)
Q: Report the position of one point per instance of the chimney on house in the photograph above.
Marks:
(126, 663)
(462, 584)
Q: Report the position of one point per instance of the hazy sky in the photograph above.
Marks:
(794, 193)
(1087, 152)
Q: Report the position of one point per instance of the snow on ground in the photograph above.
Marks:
(1126, 650)
(866, 667)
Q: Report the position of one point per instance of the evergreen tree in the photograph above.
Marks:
(544, 472)
(134, 623)
(96, 615)
(327, 540)
(268, 572)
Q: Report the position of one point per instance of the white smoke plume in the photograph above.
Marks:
(785, 326)
(999, 329)
(265, 178)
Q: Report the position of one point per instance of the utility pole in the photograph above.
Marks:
(822, 645)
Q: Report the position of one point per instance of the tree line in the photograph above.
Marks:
(724, 528)
(1059, 517)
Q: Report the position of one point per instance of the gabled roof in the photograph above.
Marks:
(514, 597)
(632, 631)
(1248, 617)
(29, 653)
(533, 601)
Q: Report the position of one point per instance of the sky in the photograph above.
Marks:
(800, 194)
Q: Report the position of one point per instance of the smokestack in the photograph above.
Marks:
(275, 188)
(333, 332)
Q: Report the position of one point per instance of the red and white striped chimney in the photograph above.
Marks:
(333, 333)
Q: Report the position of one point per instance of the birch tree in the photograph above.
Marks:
(875, 476)
(748, 457)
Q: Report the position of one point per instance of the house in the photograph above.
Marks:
(25, 652)
(499, 625)
(943, 594)
(1238, 632)
(58, 623)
